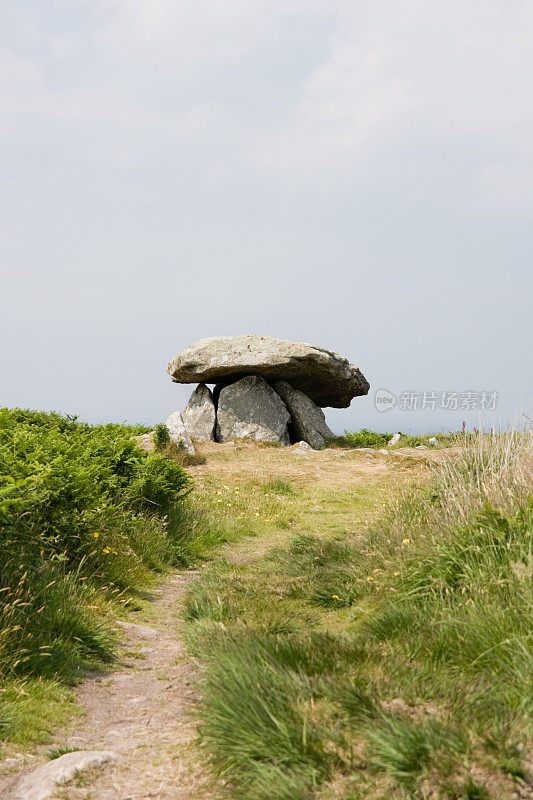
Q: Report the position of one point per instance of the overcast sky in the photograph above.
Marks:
(352, 174)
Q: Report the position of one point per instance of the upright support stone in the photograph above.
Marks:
(251, 409)
(178, 433)
(199, 416)
(308, 422)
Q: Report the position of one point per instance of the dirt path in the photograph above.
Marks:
(142, 711)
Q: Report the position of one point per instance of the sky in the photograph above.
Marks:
(357, 175)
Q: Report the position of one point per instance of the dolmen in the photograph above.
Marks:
(264, 389)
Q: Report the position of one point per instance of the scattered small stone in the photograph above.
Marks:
(433, 441)
(395, 439)
(304, 447)
(422, 447)
(384, 452)
(42, 783)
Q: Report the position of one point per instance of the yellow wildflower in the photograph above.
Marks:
(370, 578)
(107, 550)
(96, 534)
(406, 541)
(397, 572)
(335, 597)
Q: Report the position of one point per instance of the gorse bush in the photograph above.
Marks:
(84, 514)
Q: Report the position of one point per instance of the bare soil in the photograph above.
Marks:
(142, 711)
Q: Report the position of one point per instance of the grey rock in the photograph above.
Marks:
(308, 422)
(303, 447)
(178, 433)
(422, 447)
(395, 439)
(251, 409)
(433, 441)
(199, 416)
(324, 376)
(42, 783)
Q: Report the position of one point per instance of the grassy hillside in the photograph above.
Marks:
(390, 659)
(365, 632)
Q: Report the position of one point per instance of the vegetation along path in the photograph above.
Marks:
(281, 646)
(145, 710)
(141, 707)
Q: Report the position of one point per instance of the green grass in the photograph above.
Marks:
(278, 486)
(392, 661)
(376, 440)
(362, 438)
(61, 750)
(32, 709)
(443, 440)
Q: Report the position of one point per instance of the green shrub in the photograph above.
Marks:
(161, 436)
(84, 512)
(363, 438)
